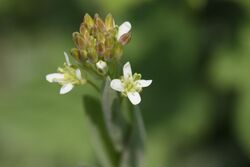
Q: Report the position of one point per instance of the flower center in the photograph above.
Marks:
(130, 84)
(69, 75)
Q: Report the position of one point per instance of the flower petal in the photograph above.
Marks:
(127, 72)
(66, 88)
(123, 29)
(134, 97)
(102, 65)
(117, 85)
(144, 83)
(78, 74)
(67, 59)
(54, 77)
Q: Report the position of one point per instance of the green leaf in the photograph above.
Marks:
(133, 154)
(114, 119)
(103, 146)
(118, 128)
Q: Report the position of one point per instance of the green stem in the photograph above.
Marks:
(94, 86)
(91, 69)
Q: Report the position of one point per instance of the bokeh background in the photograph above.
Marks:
(197, 111)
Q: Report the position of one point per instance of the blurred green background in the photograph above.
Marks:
(197, 111)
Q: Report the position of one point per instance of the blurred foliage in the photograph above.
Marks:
(196, 113)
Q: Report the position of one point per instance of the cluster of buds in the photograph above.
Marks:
(100, 42)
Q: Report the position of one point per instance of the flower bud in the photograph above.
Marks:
(123, 29)
(109, 22)
(136, 76)
(89, 21)
(84, 55)
(84, 31)
(92, 55)
(125, 38)
(109, 42)
(83, 28)
(100, 37)
(74, 35)
(99, 23)
(100, 48)
(101, 66)
(75, 53)
(78, 40)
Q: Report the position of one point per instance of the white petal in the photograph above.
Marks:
(67, 58)
(66, 88)
(123, 29)
(54, 77)
(127, 70)
(78, 74)
(102, 65)
(144, 83)
(134, 97)
(117, 85)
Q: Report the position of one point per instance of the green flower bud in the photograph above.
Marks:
(99, 23)
(136, 76)
(75, 53)
(92, 55)
(78, 40)
(83, 28)
(109, 42)
(100, 37)
(84, 55)
(74, 36)
(89, 21)
(109, 22)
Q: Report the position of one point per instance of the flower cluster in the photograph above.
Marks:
(99, 48)
(99, 42)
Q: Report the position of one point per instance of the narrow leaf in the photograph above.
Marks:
(133, 154)
(105, 151)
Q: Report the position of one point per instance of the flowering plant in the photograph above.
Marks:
(115, 122)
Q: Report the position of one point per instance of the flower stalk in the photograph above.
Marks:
(114, 118)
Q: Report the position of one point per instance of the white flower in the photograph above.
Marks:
(102, 66)
(66, 76)
(123, 29)
(130, 85)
